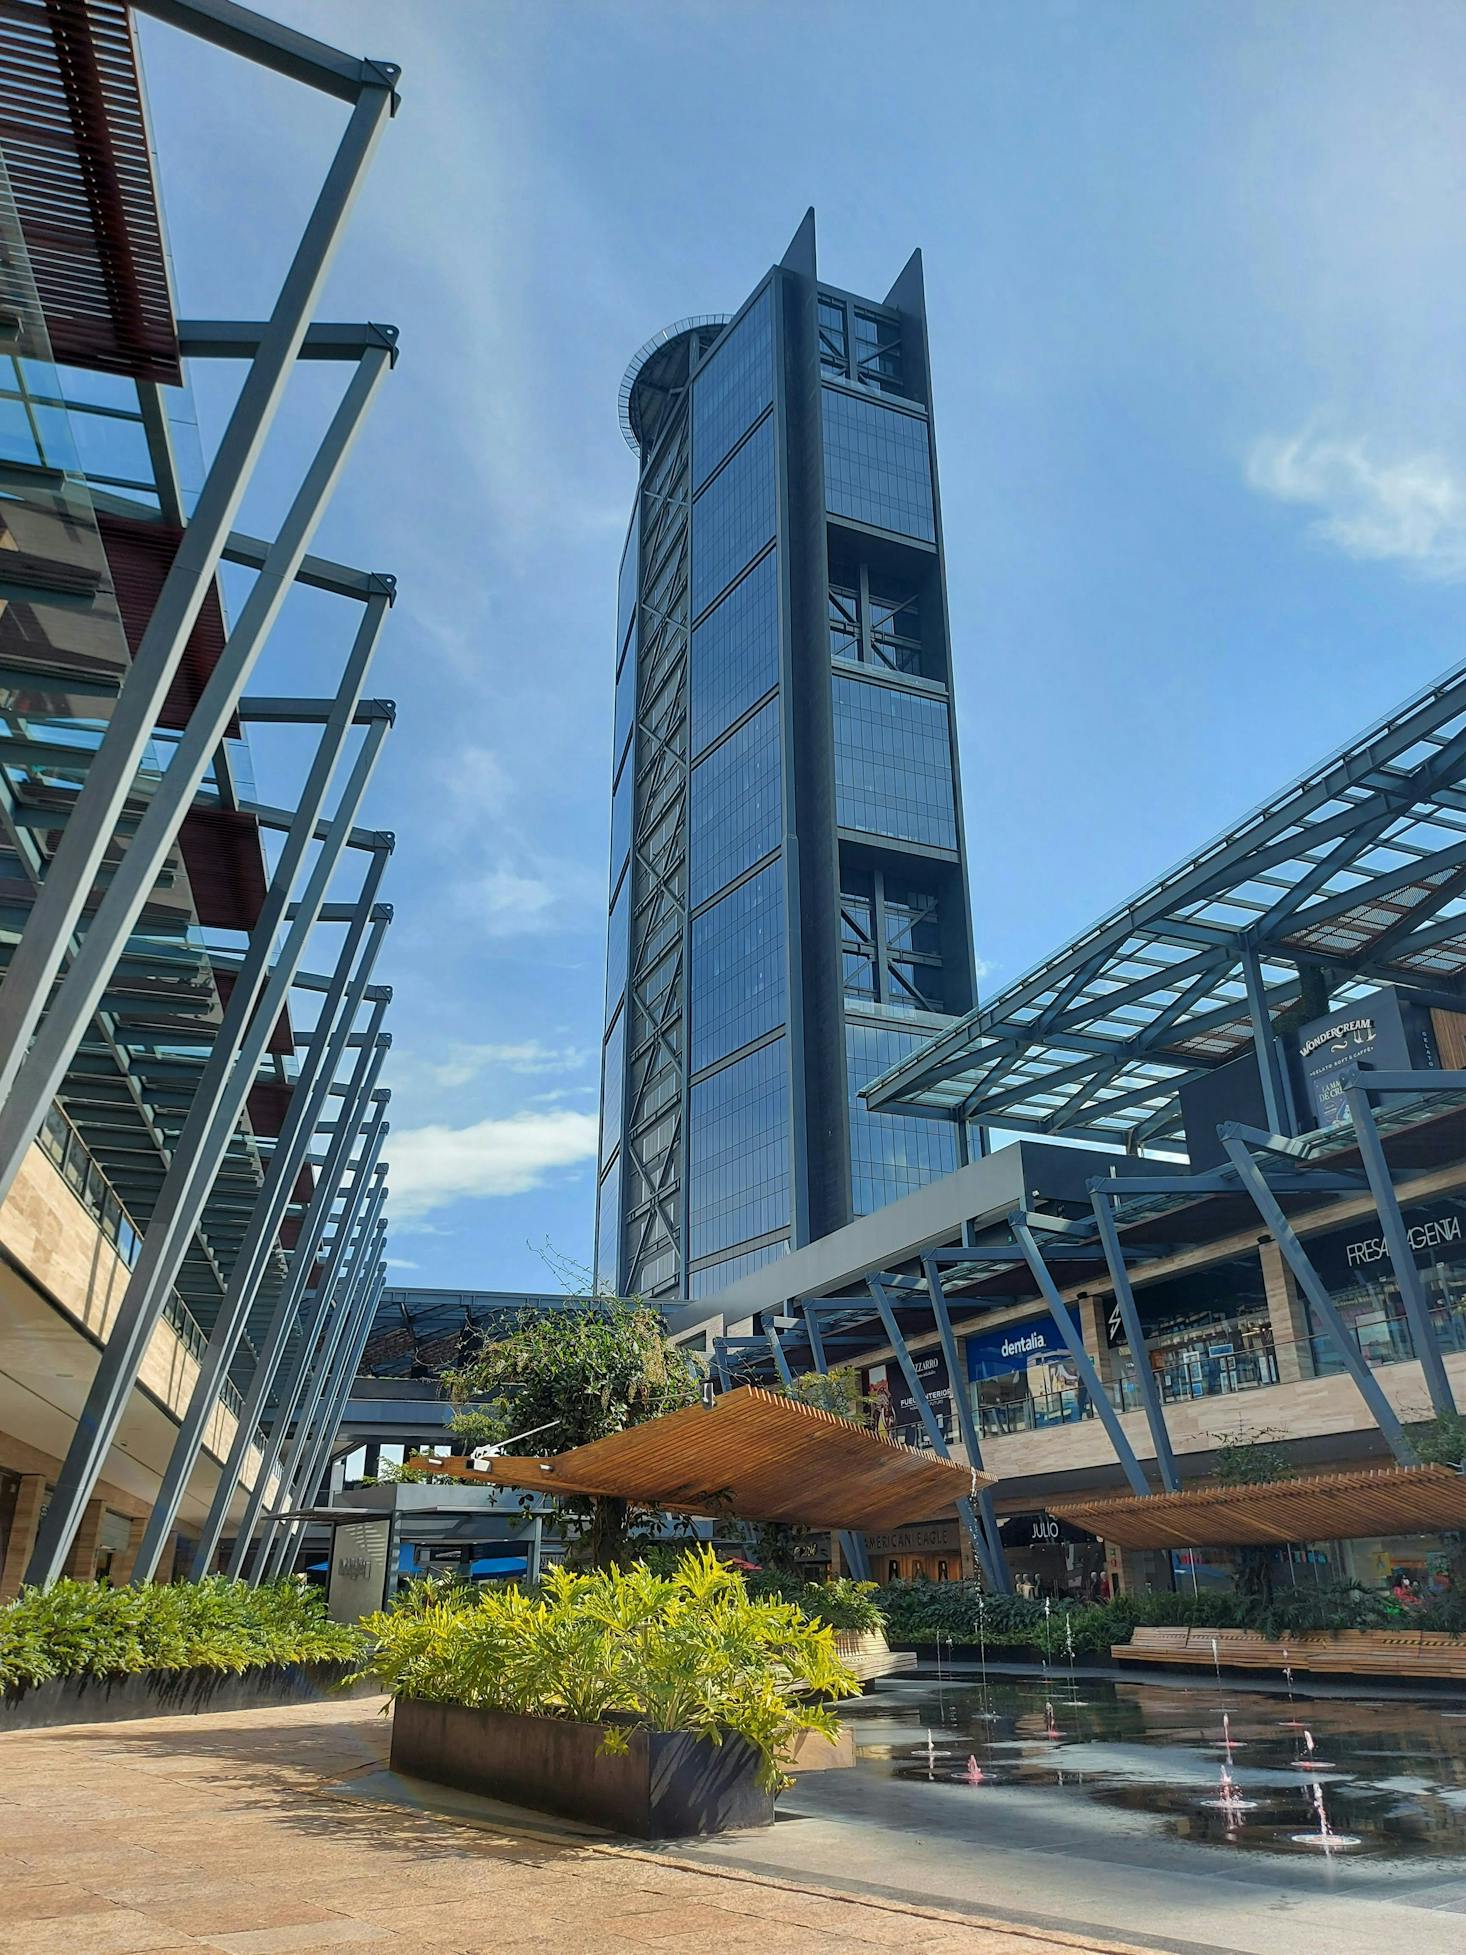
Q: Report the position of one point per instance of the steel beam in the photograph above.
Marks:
(254, 1007)
(996, 1564)
(1150, 1398)
(1089, 1378)
(114, 767)
(270, 44)
(1314, 1289)
(1397, 1241)
(312, 1322)
(935, 1436)
(781, 1363)
(337, 1318)
(33, 1061)
(343, 1000)
(302, 1260)
(325, 1419)
(853, 1550)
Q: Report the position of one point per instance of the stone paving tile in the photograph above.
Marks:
(43, 1900)
(200, 1834)
(118, 1931)
(336, 1933)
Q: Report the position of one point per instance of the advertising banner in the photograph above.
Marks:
(894, 1412)
(1015, 1347)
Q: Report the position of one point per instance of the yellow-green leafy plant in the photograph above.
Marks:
(690, 1651)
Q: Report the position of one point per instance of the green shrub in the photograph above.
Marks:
(921, 1612)
(690, 1652)
(842, 1603)
(84, 1629)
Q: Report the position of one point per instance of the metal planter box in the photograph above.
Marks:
(668, 1785)
(173, 1693)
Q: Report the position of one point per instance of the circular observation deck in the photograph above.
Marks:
(658, 371)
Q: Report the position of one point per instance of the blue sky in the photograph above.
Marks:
(1197, 308)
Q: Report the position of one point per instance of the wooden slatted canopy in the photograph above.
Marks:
(756, 1456)
(75, 144)
(1325, 1507)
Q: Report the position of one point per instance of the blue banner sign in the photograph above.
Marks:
(1015, 1347)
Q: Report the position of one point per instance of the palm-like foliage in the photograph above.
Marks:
(86, 1629)
(692, 1651)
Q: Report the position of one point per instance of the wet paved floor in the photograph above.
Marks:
(1100, 1804)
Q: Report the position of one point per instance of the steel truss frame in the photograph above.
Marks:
(1354, 874)
(56, 986)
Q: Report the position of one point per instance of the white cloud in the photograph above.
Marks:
(466, 1062)
(402, 1262)
(1411, 510)
(435, 1165)
(511, 905)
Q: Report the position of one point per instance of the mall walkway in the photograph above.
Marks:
(258, 1834)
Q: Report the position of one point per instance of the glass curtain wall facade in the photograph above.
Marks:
(788, 896)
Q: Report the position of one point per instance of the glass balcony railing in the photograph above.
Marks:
(1385, 1339)
(69, 1153)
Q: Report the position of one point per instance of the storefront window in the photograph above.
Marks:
(1022, 1377)
(1355, 1267)
(1208, 1333)
(1411, 1565)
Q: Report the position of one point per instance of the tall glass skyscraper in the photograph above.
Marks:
(788, 900)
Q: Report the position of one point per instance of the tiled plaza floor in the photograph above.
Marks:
(232, 1833)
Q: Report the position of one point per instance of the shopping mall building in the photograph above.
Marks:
(1222, 1199)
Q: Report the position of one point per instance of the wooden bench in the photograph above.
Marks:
(1166, 1645)
(1239, 1648)
(1402, 1653)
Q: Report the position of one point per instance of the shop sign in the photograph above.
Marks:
(939, 1539)
(1375, 1031)
(1038, 1530)
(894, 1411)
(1015, 1347)
(1340, 1257)
(359, 1568)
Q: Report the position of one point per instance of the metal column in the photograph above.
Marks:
(1312, 1286)
(781, 1363)
(310, 1323)
(1002, 1580)
(1275, 1098)
(852, 1541)
(248, 1025)
(297, 1410)
(326, 1419)
(355, 1105)
(320, 1380)
(1150, 1398)
(1397, 1241)
(1089, 1378)
(935, 1436)
(312, 1091)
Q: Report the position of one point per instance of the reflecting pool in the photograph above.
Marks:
(1241, 1771)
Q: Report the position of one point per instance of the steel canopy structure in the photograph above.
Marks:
(189, 1024)
(1353, 875)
